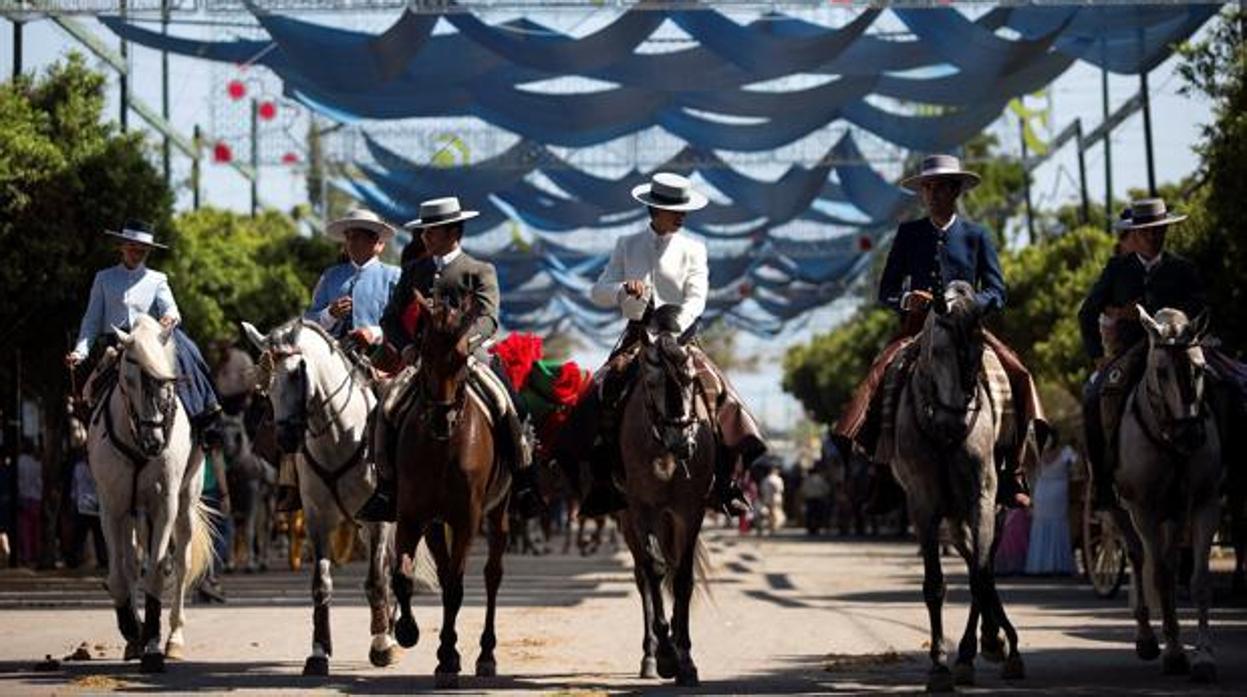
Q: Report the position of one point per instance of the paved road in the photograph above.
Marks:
(784, 615)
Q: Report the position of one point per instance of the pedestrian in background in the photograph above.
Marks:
(86, 515)
(30, 498)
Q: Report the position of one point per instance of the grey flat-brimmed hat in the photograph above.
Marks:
(1145, 213)
(440, 211)
(357, 218)
(137, 232)
(937, 166)
(670, 192)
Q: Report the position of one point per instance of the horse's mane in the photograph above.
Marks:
(156, 357)
(286, 336)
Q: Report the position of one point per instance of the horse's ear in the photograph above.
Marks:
(125, 338)
(1150, 324)
(1199, 327)
(254, 336)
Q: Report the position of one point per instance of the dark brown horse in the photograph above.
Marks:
(666, 504)
(449, 479)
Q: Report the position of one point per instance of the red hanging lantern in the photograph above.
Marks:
(865, 243)
(268, 110)
(236, 89)
(221, 152)
(290, 158)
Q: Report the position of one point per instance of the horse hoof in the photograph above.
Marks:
(152, 663)
(668, 665)
(1204, 672)
(649, 669)
(1176, 664)
(406, 632)
(133, 651)
(687, 677)
(486, 669)
(1147, 649)
(175, 652)
(940, 680)
(963, 674)
(1014, 668)
(992, 649)
(316, 667)
(385, 657)
(446, 681)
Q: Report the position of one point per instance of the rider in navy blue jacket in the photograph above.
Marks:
(924, 257)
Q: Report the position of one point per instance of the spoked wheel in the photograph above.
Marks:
(1103, 550)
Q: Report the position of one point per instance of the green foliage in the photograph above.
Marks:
(823, 373)
(994, 201)
(230, 267)
(1216, 69)
(718, 340)
(65, 176)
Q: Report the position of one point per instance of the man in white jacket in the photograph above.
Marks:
(660, 279)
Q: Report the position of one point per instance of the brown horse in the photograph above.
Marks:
(666, 504)
(449, 479)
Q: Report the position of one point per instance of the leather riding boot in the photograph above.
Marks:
(288, 499)
(1104, 491)
(728, 496)
(382, 506)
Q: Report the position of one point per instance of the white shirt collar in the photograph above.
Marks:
(660, 238)
(1150, 265)
(138, 270)
(444, 260)
(945, 226)
(366, 264)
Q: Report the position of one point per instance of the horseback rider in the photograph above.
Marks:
(926, 256)
(119, 295)
(1145, 274)
(348, 302)
(446, 271)
(660, 278)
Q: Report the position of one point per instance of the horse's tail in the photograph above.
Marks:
(202, 551)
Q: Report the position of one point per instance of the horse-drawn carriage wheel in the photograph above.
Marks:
(1103, 549)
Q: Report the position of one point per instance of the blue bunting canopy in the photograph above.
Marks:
(710, 95)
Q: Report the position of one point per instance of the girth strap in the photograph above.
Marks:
(330, 477)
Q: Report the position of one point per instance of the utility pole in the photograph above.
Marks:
(1026, 182)
(164, 91)
(125, 77)
(1082, 173)
(255, 157)
(1147, 134)
(197, 138)
(1108, 155)
(17, 48)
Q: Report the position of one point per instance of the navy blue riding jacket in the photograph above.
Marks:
(923, 257)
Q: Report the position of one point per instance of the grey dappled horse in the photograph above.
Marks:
(147, 468)
(1169, 476)
(949, 424)
(322, 405)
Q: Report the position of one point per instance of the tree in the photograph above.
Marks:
(230, 267)
(823, 373)
(718, 340)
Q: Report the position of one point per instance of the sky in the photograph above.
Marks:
(197, 95)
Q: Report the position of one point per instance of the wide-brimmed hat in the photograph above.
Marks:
(137, 232)
(358, 218)
(440, 211)
(1145, 213)
(670, 192)
(940, 166)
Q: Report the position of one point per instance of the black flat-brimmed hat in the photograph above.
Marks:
(440, 211)
(941, 167)
(670, 192)
(1146, 213)
(137, 232)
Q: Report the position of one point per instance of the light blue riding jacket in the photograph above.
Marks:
(118, 296)
(369, 287)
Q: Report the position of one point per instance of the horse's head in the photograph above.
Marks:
(1174, 379)
(290, 386)
(147, 378)
(234, 434)
(952, 358)
(444, 351)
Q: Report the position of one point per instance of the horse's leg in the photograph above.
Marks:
(1145, 645)
(446, 675)
(153, 660)
(1158, 576)
(175, 647)
(654, 566)
(682, 599)
(486, 664)
(407, 534)
(984, 576)
(384, 651)
(967, 648)
(939, 678)
(1204, 522)
(321, 525)
(119, 536)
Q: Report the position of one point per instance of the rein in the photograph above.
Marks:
(1160, 433)
(131, 453)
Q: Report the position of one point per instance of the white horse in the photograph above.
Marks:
(1170, 476)
(145, 462)
(322, 406)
